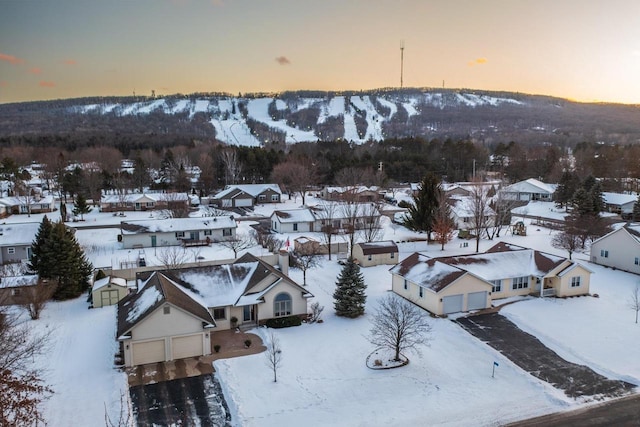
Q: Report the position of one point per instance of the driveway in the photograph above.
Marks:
(530, 354)
(186, 401)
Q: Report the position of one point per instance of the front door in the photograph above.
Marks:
(248, 313)
(153, 241)
(137, 206)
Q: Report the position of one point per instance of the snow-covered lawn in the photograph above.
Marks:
(79, 364)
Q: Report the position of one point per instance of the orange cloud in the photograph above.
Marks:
(70, 62)
(283, 60)
(35, 70)
(46, 84)
(11, 59)
(478, 61)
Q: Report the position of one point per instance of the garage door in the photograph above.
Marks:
(148, 352)
(243, 202)
(109, 297)
(452, 304)
(186, 346)
(477, 300)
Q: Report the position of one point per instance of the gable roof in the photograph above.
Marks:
(383, 247)
(18, 234)
(157, 290)
(177, 224)
(427, 272)
(619, 199)
(101, 283)
(252, 189)
(530, 185)
(633, 230)
(294, 215)
(133, 197)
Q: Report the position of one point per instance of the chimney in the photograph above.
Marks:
(283, 261)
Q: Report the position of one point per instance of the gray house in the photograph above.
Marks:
(15, 241)
(248, 195)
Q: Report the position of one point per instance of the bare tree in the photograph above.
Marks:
(316, 312)
(371, 228)
(124, 415)
(502, 208)
(295, 176)
(177, 205)
(306, 257)
(480, 211)
(327, 212)
(35, 298)
(238, 243)
(443, 224)
(635, 301)
(232, 166)
(399, 325)
(172, 257)
(568, 239)
(273, 354)
(25, 195)
(351, 211)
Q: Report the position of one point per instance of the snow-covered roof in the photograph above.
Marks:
(354, 189)
(427, 272)
(531, 185)
(133, 197)
(18, 234)
(19, 281)
(383, 247)
(253, 189)
(619, 199)
(464, 207)
(19, 201)
(101, 283)
(294, 215)
(177, 224)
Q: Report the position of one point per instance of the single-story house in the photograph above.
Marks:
(108, 291)
(13, 288)
(4, 209)
(176, 314)
(293, 220)
(619, 249)
(308, 245)
(452, 284)
(376, 253)
(27, 205)
(530, 189)
(247, 195)
(16, 240)
(359, 193)
(143, 201)
(177, 231)
(619, 203)
(463, 213)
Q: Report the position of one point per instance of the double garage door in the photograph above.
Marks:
(154, 351)
(454, 303)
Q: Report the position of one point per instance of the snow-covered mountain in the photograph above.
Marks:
(309, 116)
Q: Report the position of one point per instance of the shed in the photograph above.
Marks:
(108, 291)
(376, 253)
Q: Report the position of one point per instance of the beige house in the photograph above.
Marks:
(166, 321)
(459, 283)
(108, 291)
(375, 253)
(619, 249)
(14, 288)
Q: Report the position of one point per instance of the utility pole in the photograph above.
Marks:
(401, 61)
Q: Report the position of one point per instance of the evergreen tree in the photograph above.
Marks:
(597, 199)
(38, 261)
(58, 256)
(582, 202)
(566, 188)
(636, 209)
(349, 297)
(80, 207)
(421, 214)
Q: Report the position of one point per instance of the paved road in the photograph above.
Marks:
(530, 354)
(187, 401)
(619, 412)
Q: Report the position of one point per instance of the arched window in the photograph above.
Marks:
(282, 305)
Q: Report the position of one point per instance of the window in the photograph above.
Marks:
(219, 313)
(179, 234)
(406, 284)
(369, 257)
(207, 232)
(497, 285)
(275, 225)
(520, 282)
(393, 255)
(282, 305)
(604, 253)
(274, 197)
(575, 282)
(637, 261)
(295, 226)
(15, 292)
(421, 291)
(167, 309)
(11, 251)
(262, 198)
(226, 232)
(150, 204)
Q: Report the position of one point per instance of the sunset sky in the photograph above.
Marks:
(583, 50)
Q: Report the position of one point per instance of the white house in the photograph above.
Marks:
(143, 201)
(619, 203)
(463, 213)
(530, 189)
(177, 231)
(293, 220)
(176, 314)
(451, 284)
(619, 249)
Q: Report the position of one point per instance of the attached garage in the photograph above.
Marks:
(148, 352)
(189, 346)
(452, 303)
(477, 300)
(242, 203)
